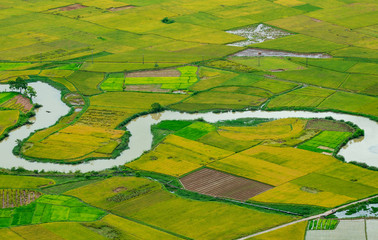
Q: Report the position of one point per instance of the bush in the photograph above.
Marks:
(166, 20)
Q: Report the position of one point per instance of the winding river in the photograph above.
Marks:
(361, 150)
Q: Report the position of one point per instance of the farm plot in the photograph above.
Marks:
(352, 173)
(12, 65)
(166, 79)
(210, 219)
(300, 43)
(108, 118)
(334, 64)
(129, 229)
(349, 102)
(11, 198)
(176, 156)
(292, 158)
(57, 231)
(322, 224)
(315, 76)
(218, 100)
(50, 208)
(215, 139)
(267, 63)
(195, 130)
(278, 130)
(296, 194)
(74, 99)
(22, 182)
(8, 118)
(86, 82)
(214, 183)
(256, 169)
(244, 90)
(303, 97)
(210, 78)
(335, 185)
(271, 85)
(328, 125)
(346, 229)
(5, 96)
(296, 231)
(326, 141)
(18, 102)
(361, 83)
(109, 227)
(131, 100)
(75, 143)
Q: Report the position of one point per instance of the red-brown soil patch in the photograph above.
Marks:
(115, 9)
(18, 102)
(119, 189)
(146, 88)
(157, 73)
(215, 183)
(72, 7)
(24, 102)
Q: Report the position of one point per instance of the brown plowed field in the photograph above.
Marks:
(72, 7)
(157, 73)
(215, 183)
(146, 88)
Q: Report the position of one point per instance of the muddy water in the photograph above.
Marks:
(362, 151)
(255, 52)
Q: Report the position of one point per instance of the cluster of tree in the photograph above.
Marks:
(21, 85)
(167, 20)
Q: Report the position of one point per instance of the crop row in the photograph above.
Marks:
(323, 224)
(11, 198)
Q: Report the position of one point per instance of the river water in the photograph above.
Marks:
(361, 150)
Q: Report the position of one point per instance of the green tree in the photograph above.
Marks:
(20, 84)
(156, 107)
(31, 92)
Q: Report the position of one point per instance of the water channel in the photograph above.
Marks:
(361, 150)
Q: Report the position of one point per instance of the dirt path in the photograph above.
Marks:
(308, 218)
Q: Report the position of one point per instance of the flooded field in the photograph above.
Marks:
(257, 34)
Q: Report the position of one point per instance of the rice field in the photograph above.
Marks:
(8, 118)
(326, 141)
(322, 224)
(50, 208)
(22, 182)
(117, 59)
(85, 140)
(184, 214)
(119, 81)
(15, 101)
(295, 232)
